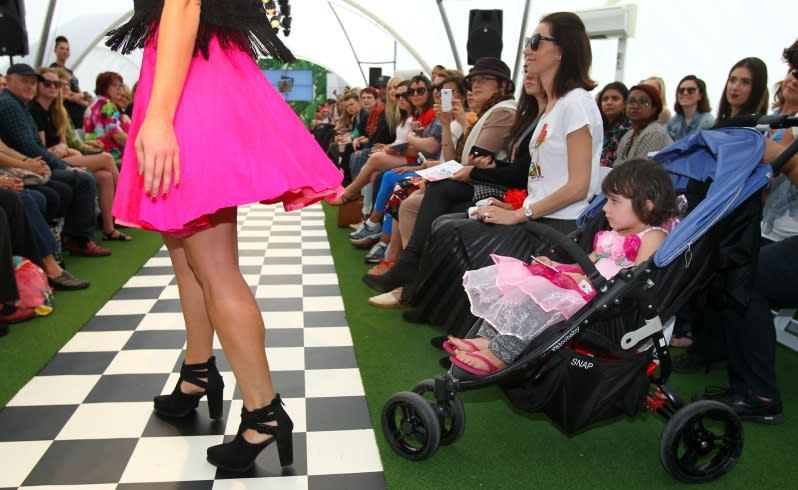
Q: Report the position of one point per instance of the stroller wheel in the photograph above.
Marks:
(701, 442)
(410, 425)
(451, 413)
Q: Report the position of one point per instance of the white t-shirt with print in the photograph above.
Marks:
(549, 168)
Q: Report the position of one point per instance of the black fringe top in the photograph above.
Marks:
(240, 24)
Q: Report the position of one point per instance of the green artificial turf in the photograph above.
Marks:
(505, 448)
(31, 344)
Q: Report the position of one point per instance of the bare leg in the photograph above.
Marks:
(376, 163)
(213, 256)
(105, 193)
(199, 331)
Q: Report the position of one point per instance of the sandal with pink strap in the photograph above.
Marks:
(492, 368)
(449, 347)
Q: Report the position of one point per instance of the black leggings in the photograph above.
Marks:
(442, 197)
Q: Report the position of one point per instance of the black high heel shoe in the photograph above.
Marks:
(239, 455)
(179, 404)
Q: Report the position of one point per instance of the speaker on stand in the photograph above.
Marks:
(484, 34)
(13, 34)
(375, 72)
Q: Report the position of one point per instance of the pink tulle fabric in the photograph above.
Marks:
(520, 300)
(239, 143)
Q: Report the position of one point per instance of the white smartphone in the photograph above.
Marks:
(446, 100)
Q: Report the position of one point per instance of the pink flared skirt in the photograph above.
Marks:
(239, 143)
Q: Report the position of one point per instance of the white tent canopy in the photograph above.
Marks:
(669, 39)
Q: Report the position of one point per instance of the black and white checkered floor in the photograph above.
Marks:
(86, 420)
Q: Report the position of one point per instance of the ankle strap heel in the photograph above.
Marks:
(203, 375)
(239, 455)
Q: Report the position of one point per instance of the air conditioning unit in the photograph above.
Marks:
(615, 21)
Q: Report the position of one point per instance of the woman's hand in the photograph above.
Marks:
(463, 175)
(158, 156)
(458, 112)
(497, 215)
(417, 127)
(12, 183)
(481, 162)
(445, 118)
(37, 165)
(60, 150)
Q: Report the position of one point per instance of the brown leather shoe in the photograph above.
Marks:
(89, 249)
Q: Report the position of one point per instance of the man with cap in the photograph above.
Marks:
(381, 83)
(18, 131)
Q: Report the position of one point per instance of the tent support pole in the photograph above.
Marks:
(519, 56)
(351, 46)
(119, 21)
(48, 25)
(449, 35)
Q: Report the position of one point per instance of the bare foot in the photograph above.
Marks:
(484, 360)
(468, 345)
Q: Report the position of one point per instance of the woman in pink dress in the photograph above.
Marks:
(210, 134)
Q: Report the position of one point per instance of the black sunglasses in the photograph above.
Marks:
(51, 84)
(687, 90)
(400, 95)
(533, 42)
(794, 73)
(417, 91)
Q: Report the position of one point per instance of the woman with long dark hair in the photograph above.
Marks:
(692, 110)
(746, 90)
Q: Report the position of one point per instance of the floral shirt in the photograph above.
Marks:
(612, 136)
(102, 121)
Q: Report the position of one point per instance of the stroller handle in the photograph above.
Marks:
(766, 123)
(552, 236)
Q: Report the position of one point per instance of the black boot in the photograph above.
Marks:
(180, 404)
(239, 455)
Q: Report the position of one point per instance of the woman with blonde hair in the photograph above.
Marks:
(53, 122)
(659, 84)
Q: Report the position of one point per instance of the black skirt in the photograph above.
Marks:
(456, 245)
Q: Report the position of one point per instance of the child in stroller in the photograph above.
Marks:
(518, 301)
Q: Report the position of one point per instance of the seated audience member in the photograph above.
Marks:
(18, 131)
(643, 107)
(659, 84)
(750, 336)
(105, 121)
(746, 90)
(73, 140)
(352, 129)
(693, 112)
(612, 104)
(75, 101)
(457, 194)
(519, 301)
(42, 243)
(51, 120)
(491, 87)
(562, 177)
(424, 137)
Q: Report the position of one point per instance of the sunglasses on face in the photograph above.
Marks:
(51, 83)
(533, 42)
(641, 101)
(400, 95)
(794, 73)
(417, 91)
(687, 90)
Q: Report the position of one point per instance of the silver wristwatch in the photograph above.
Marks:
(528, 211)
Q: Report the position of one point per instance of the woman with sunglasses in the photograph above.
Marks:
(52, 121)
(693, 112)
(491, 87)
(612, 104)
(647, 135)
(424, 138)
(746, 90)
(561, 178)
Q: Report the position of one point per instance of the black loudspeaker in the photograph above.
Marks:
(374, 74)
(484, 34)
(13, 34)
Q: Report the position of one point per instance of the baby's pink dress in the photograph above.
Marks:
(523, 300)
(239, 143)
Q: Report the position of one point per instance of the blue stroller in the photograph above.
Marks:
(611, 358)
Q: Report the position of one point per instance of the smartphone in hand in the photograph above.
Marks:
(446, 100)
(477, 151)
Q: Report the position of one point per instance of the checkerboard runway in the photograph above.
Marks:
(86, 420)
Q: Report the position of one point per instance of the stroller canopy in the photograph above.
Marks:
(729, 159)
